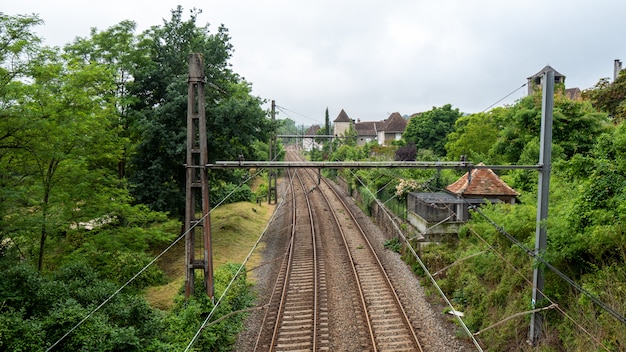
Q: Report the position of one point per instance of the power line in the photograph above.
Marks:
(525, 278)
(284, 110)
(506, 96)
(419, 260)
(147, 266)
(532, 254)
(537, 257)
(553, 304)
(117, 291)
(206, 320)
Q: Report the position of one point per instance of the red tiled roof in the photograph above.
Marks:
(482, 182)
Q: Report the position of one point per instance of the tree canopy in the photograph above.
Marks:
(235, 119)
(610, 97)
(92, 147)
(92, 142)
(429, 129)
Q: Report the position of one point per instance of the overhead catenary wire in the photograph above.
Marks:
(285, 257)
(506, 96)
(216, 305)
(285, 110)
(500, 229)
(571, 282)
(423, 266)
(525, 278)
(116, 292)
(142, 270)
(553, 305)
(560, 274)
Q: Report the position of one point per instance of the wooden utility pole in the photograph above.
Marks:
(197, 183)
(272, 196)
(545, 160)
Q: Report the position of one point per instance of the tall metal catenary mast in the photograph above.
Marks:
(271, 189)
(197, 184)
(545, 160)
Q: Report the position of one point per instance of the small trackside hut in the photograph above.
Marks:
(436, 214)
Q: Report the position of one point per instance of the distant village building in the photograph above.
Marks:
(367, 131)
(309, 143)
(341, 124)
(383, 132)
(536, 81)
(392, 130)
(573, 93)
(435, 214)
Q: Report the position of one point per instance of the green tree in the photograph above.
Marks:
(17, 44)
(116, 49)
(327, 123)
(474, 135)
(347, 152)
(234, 117)
(430, 129)
(288, 126)
(609, 97)
(576, 127)
(67, 134)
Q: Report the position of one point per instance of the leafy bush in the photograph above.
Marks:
(393, 245)
(41, 312)
(187, 316)
(38, 310)
(239, 194)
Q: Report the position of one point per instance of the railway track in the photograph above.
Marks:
(389, 325)
(298, 318)
(298, 314)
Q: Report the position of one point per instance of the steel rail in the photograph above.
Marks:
(285, 263)
(358, 283)
(315, 264)
(283, 295)
(289, 271)
(382, 268)
(397, 302)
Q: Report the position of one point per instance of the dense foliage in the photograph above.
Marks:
(486, 274)
(234, 118)
(92, 147)
(92, 143)
(429, 129)
(610, 97)
(38, 310)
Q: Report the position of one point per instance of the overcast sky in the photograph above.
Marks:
(373, 58)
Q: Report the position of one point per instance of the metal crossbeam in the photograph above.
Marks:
(363, 165)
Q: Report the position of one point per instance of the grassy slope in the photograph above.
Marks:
(234, 230)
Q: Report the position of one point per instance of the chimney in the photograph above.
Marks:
(617, 67)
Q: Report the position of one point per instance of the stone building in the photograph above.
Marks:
(536, 81)
(383, 131)
(341, 124)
